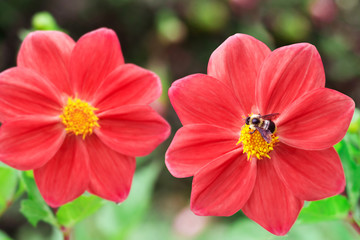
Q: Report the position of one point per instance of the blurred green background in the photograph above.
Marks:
(175, 38)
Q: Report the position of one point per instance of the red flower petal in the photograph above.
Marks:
(310, 175)
(222, 187)
(23, 92)
(199, 98)
(30, 142)
(237, 62)
(272, 204)
(48, 54)
(196, 145)
(111, 173)
(127, 84)
(318, 120)
(65, 177)
(286, 74)
(95, 56)
(133, 130)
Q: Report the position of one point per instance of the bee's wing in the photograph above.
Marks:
(270, 116)
(266, 134)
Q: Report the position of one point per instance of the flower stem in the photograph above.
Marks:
(353, 223)
(66, 232)
(66, 236)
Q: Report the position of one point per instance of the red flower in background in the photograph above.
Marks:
(77, 115)
(233, 165)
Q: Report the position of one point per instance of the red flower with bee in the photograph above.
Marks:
(258, 132)
(77, 115)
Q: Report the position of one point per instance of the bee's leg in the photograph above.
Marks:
(252, 131)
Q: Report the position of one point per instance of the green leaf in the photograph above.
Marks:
(355, 122)
(44, 21)
(35, 211)
(35, 208)
(333, 208)
(8, 183)
(117, 221)
(348, 152)
(356, 215)
(130, 212)
(3, 236)
(20, 190)
(75, 211)
(27, 178)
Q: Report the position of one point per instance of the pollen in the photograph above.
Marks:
(79, 117)
(254, 145)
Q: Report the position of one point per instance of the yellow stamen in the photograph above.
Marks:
(254, 145)
(79, 117)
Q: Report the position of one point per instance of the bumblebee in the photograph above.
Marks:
(263, 124)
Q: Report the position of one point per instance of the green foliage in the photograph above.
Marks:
(258, 31)
(292, 26)
(349, 152)
(117, 221)
(354, 127)
(129, 213)
(336, 49)
(8, 181)
(41, 21)
(75, 211)
(339, 207)
(35, 211)
(208, 15)
(243, 228)
(333, 208)
(44, 21)
(3, 236)
(169, 27)
(351, 169)
(249, 230)
(34, 208)
(135, 219)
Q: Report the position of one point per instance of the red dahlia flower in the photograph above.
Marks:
(240, 163)
(77, 115)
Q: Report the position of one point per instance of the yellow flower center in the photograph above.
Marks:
(79, 117)
(254, 145)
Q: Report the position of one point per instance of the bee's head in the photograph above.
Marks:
(255, 121)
